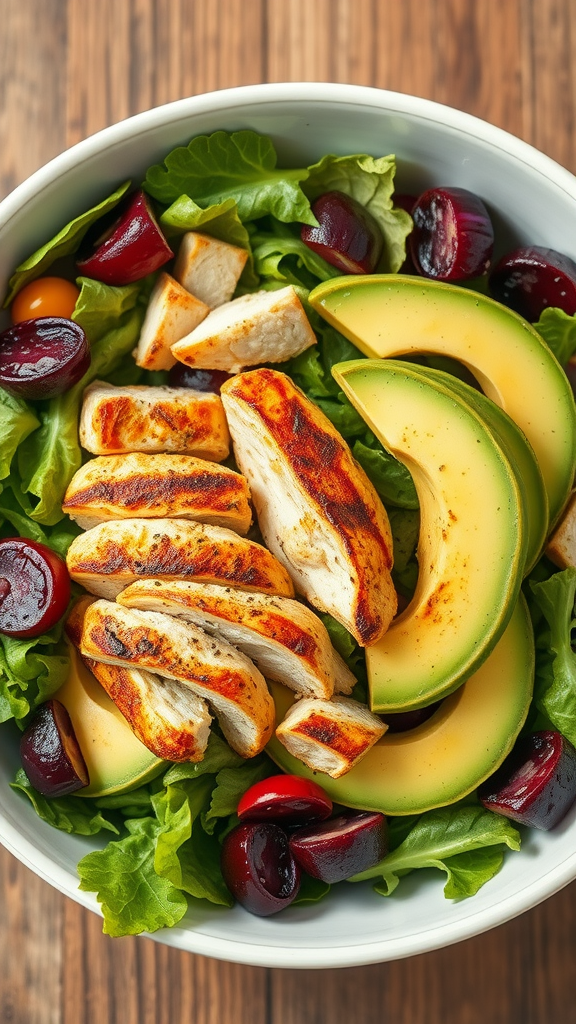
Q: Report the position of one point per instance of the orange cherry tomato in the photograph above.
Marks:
(46, 296)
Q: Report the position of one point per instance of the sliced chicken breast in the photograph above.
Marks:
(109, 557)
(148, 419)
(158, 487)
(263, 327)
(213, 670)
(167, 717)
(317, 510)
(330, 736)
(171, 313)
(209, 268)
(284, 638)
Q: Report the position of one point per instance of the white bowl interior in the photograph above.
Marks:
(533, 200)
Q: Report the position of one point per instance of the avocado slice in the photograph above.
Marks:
(448, 756)
(390, 315)
(471, 549)
(519, 454)
(116, 760)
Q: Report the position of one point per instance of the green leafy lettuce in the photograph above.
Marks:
(49, 457)
(64, 243)
(30, 672)
(555, 693)
(17, 420)
(559, 332)
(238, 165)
(466, 842)
(67, 813)
(371, 182)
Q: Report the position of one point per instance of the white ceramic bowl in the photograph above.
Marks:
(533, 200)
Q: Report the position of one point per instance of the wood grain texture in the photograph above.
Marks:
(67, 69)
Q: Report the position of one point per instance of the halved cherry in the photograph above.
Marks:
(43, 357)
(341, 847)
(34, 587)
(50, 754)
(533, 277)
(347, 236)
(536, 785)
(132, 248)
(285, 799)
(259, 869)
(182, 376)
(453, 235)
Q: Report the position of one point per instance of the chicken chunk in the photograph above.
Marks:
(109, 557)
(172, 312)
(317, 510)
(264, 327)
(148, 419)
(166, 716)
(158, 486)
(213, 670)
(330, 736)
(561, 547)
(209, 268)
(284, 638)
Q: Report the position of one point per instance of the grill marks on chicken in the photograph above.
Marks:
(213, 670)
(286, 640)
(114, 554)
(153, 419)
(158, 486)
(317, 510)
(330, 736)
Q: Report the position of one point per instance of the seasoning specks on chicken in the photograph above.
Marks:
(317, 510)
(330, 736)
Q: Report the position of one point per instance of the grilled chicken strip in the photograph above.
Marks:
(317, 510)
(330, 736)
(158, 486)
(284, 638)
(166, 716)
(213, 670)
(109, 557)
(263, 327)
(171, 313)
(147, 419)
(209, 268)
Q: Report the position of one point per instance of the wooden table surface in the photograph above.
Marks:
(67, 69)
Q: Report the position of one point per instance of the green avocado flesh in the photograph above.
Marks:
(471, 546)
(448, 756)
(390, 315)
(518, 452)
(116, 760)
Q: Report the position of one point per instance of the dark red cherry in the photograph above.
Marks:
(341, 847)
(42, 358)
(182, 376)
(531, 278)
(536, 784)
(347, 237)
(453, 235)
(133, 246)
(402, 721)
(404, 201)
(285, 799)
(259, 869)
(50, 753)
(34, 587)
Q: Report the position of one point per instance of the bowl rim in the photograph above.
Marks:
(144, 123)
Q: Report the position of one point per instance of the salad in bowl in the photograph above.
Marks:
(287, 568)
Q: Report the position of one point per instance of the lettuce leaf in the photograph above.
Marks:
(559, 332)
(455, 840)
(64, 243)
(390, 478)
(231, 783)
(30, 671)
(218, 755)
(555, 693)
(371, 182)
(280, 254)
(70, 814)
(17, 421)
(99, 306)
(133, 897)
(238, 165)
(48, 458)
